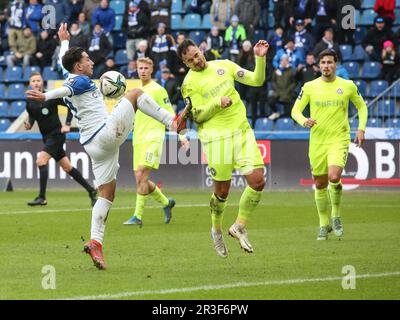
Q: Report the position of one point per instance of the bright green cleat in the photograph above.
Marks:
(323, 232)
(337, 226)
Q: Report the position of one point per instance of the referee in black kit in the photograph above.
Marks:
(46, 115)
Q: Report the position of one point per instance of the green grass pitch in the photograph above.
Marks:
(177, 261)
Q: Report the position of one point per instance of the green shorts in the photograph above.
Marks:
(323, 156)
(147, 154)
(238, 151)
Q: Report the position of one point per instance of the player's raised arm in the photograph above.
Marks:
(64, 37)
(362, 110)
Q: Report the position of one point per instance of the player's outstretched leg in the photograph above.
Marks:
(335, 193)
(321, 201)
(217, 207)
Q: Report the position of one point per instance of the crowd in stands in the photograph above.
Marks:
(116, 33)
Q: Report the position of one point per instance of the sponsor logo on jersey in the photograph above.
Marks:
(339, 91)
(220, 71)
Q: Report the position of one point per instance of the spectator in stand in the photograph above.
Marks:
(179, 69)
(197, 6)
(263, 20)
(61, 13)
(221, 13)
(105, 17)
(276, 40)
(390, 62)
(160, 13)
(327, 43)
(163, 64)
(169, 83)
(309, 71)
(385, 9)
(137, 24)
(215, 43)
(75, 7)
(281, 13)
(142, 50)
(376, 36)
(161, 45)
(325, 16)
(45, 48)
(303, 40)
(248, 12)
(23, 50)
(283, 87)
(345, 36)
(78, 39)
(109, 65)
(33, 16)
(88, 8)
(16, 21)
(130, 71)
(84, 25)
(99, 48)
(234, 37)
(294, 56)
(302, 9)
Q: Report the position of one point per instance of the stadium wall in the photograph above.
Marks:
(376, 165)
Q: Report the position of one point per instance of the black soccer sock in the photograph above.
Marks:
(44, 173)
(78, 178)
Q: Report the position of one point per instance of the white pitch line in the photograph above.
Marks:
(228, 286)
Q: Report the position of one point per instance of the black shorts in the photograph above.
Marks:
(53, 145)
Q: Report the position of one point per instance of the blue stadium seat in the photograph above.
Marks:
(359, 54)
(263, 124)
(3, 109)
(397, 14)
(357, 17)
(258, 35)
(197, 36)
(206, 22)
(386, 108)
(1, 75)
(392, 123)
(371, 70)
(347, 52)
(374, 122)
(362, 87)
(177, 6)
(395, 91)
(2, 90)
(176, 22)
(191, 21)
(16, 91)
(367, 4)
(49, 74)
(377, 87)
(119, 40)
(360, 34)
(271, 20)
(121, 57)
(367, 17)
(118, 6)
(353, 68)
(29, 70)
(284, 124)
(4, 124)
(17, 107)
(13, 74)
(353, 124)
(118, 23)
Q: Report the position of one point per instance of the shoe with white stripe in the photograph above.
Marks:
(219, 244)
(240, 233)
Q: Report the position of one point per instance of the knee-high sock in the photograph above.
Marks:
(140, 202)
(44, 173)
(248, 202)
(99, 217)
(335, 193)
(321, 200)
(147, 105)
(159, 197)
(217, 206)
(74, 173)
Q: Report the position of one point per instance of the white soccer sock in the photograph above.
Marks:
(99, 216)
(147, 105)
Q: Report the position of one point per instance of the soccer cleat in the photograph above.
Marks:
(337, 226)
(167, 210)
(240, 234)
(134, 221)
(38, 201)
(219, 244)
(93, 197)
(323, 232)
(95, 250)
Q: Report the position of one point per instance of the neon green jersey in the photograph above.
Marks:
(146, 128)
(205, 89)
(329, 103)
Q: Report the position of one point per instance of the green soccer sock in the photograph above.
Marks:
(248, 202)
(217, 206)
(159, 197)
(335, 193)
(140, 201)
(321, 200)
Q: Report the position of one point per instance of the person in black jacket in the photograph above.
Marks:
(46, 116)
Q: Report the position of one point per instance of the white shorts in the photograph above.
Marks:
(103, 149)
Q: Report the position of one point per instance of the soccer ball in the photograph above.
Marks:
(112, 84)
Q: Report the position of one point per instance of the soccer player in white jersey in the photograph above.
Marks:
(101, 133)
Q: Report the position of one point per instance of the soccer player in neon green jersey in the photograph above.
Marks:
(329, 98)
(224, 131)
(148, 140)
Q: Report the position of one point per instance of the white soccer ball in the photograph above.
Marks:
(112, 84)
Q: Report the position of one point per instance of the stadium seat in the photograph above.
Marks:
(16, 91)
(17, 107)
(353, 124)
(3, 109)
(367, 4)
(49, 74)
(392, 123)
(347, 52)
(371, 70)
(2, 90)
(191, 21)
(28, 71)
(13, 74)
(353, 68)
(263, 124)
(197, 36)
(118, 6)
(357, 17)
(284, 124)
(4, 124)
(360, 34)
(367, 17)
(362, 87)
(395, 91)
(385, 108)
(119, 40)
(271, 20)
(177, 6)
(377, 87)
(1, 75)
(374, 122)
(121, 57)
(176, 22)
(397, 14)
(118, 23)
(206, 22)
(359, 54)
